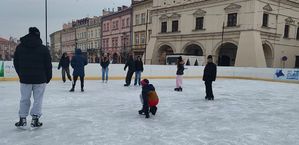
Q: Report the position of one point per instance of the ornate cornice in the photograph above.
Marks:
(267, 8)
(199, 13)
(232, 7)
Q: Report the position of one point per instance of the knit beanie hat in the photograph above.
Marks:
(144, 82)
(34, 31)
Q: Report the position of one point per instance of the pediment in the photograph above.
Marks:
(267, 7)
(290, 20)
(232, 7)
(199, 13)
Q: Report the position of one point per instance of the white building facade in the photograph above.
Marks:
(245, 33)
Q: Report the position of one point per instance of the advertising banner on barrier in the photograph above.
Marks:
(1, 68)
(287, 74)
(9, 70)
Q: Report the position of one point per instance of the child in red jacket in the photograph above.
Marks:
(149, 99)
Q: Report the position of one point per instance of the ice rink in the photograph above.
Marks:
(244, 113)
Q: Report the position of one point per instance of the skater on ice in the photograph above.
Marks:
(180, 73)
(105, 70)
(78, 63)
(149, 99)
(138, 70)
(64, 64)
(32, 62)
(131, 65)
(209, 77)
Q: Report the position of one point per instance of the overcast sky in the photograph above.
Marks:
(16, 16)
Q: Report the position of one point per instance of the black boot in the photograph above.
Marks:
(141, 112)
(153, 110)
(22, 123)
(82, 90)
(176, 89)
(73, 88)
(180, 89)
(35, 121)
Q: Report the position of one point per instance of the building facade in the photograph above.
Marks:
(244, 33)
(55, 41)
(142, 25)
(82, 33)
(116, 33)
(7, 48)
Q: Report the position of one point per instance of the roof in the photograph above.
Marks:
(3, 40)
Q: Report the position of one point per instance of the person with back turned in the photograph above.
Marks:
(32, 62)
(209, 77)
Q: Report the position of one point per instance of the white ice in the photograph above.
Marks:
(244, 113)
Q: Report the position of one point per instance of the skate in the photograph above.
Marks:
(35, 122)
(22, 123)
(82, 90)
(72, 90)
(147, 115)
(153, 110)
(180, 89)
(106, 81)
(176, 89)
(141, 112)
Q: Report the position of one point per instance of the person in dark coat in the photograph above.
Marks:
(131, 65)
(64, 63)
(78, 63)
(32, 62)
(179, 73)
(104, 64)
(149, 99)
(138, 70)
(209, 76)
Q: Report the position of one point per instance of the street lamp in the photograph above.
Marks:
(46, 21)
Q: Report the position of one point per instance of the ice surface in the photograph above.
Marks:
(244, 113)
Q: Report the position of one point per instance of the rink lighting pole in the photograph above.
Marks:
(46, 21)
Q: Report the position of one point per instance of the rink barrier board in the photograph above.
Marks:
(169, 77)
(116, 72)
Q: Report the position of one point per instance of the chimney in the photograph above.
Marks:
(124, 7)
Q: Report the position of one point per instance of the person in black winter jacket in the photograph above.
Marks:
(209, 76)
(180, 73)
(64, 63)
(138, 70)
(78, 63)
(32, 62)
(131, 64)
(105, 70)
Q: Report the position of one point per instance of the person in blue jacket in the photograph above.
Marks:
(78, 63)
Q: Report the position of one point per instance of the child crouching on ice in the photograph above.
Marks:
(149, 99)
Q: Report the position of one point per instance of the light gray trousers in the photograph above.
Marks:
(25, 102)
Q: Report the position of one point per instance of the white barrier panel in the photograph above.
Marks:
(116, 71)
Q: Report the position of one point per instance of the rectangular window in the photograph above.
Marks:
(297, 37)
(199, 23)
(297, 62)
(175, 26)
(128, 22)
(164, 27)
(286, 31)
(143, 18)
(232, 20)
(265, 20)
(136, 38)
(116, 24)
(137, 19)
(142, 38)
(123, 23)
